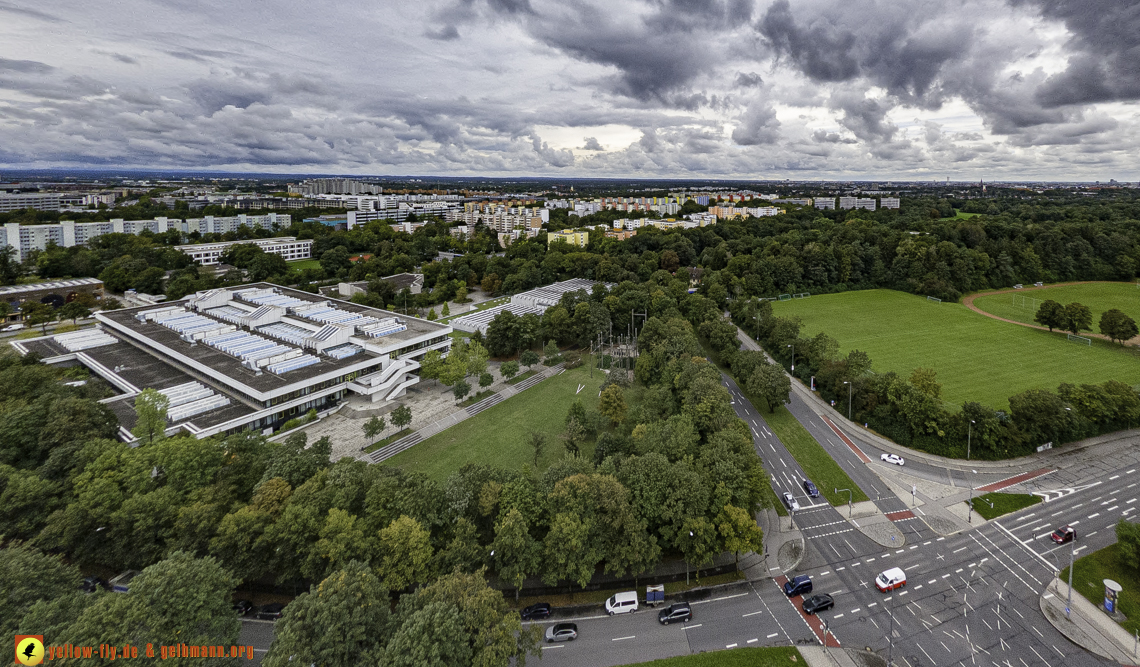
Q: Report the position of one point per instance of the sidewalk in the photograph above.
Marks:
(818, 656)
(1087, 625)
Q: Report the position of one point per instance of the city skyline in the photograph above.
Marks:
(1030, 89)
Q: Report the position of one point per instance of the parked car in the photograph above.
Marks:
(92, 584)
(270, 612)
(622, 603)
(536, 611)
(562, 632)
(1063, 535)
(790, 502)
(800, 585)
(892, 458)
(818, 603)
(676, 612)
(890, 579)
(243, 607)
(810, 489)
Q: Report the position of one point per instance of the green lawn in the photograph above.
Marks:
(1091, 571)
(977, 358)
(817, 464)
(1003, 503)
(498, 436)
(303, 264)
(776, 656)
(1022, 305)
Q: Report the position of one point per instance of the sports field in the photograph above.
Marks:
(1022, 304)
(977, 358)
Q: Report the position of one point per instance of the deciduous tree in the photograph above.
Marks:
(405, 554)
(1050, 314)
(150, 412)
(1117, 326)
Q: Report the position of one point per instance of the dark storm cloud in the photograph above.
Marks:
(822, 51)
(1106, 41)
(825, 137)
(748, 80)
(25, 12)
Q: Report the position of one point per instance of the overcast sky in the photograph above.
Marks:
(904, 89)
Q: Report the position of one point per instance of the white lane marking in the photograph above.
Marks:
(690, 627)
(838, 616)
(618, 639)
(774, 634)
(730, 645)
(751, 640)
(751, 614)
(549, 648)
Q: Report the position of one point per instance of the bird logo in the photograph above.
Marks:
(29, 649)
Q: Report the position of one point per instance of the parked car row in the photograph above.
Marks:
(625, 602)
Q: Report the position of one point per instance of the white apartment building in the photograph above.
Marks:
(821, 203)
(36, 200)
(888, 202)
(67, 233)
(207, 254)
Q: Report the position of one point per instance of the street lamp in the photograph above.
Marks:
(687, 563)
(1072, 555)
(793, 357)
(970, 509)
(849, 387)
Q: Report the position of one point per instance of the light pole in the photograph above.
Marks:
(849, 388)
(849, 507)
(687, 561)
(793, 357)
(970, 509)
(1072, 556)
(969, 435)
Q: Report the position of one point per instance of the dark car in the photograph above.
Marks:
(810, 489)
(270, 612)
(1063, 534)
(818, 603)
(562, 632)
(677, 612)
(801, 585)
(92, 584)
(536, 611)
(243, 607)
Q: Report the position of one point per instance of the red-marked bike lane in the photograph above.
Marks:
(813, 621)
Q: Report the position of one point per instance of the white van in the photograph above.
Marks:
(622, 603)
(890, 580)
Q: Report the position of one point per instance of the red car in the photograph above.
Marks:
(1063, 534)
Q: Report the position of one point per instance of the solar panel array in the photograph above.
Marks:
(84, 340)
(192, 326)
(384, 327)
(227, 314)
(254, 351)
(290, 333)
(482, 318)
(329, 315)
(271, 299)
(292, 364)
(192, 398)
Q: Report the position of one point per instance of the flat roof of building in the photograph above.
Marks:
(160, 339)
(51, 285)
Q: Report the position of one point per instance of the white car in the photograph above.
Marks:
(13, 327)
(892, 458)
(790, 502)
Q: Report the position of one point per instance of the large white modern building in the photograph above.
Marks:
(532, 301)
(249, 357)
(66, 233)
(208, 254)
(21, 201)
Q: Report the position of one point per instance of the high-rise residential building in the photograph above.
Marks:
(888, 202)
(39, 201)
(825, 203)
(288, 247)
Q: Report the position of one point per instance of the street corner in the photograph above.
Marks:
(790, 554)
(884, 532)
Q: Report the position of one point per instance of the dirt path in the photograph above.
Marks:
(968, 301)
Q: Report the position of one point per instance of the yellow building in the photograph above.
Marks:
(578, 237)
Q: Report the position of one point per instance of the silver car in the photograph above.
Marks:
(562, 632)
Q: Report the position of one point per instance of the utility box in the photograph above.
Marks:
(654, 595)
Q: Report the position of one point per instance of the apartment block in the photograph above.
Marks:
(825, 204)
(20, 201)
(207, 254)
(888, 202)
(576, 237)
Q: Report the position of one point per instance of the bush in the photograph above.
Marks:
(572, 360)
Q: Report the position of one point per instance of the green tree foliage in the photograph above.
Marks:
(1077, 318)
(373, 427)
(1128, 536)
(401, 416)
(612, 404)
(341, 622)
(516, 554)
(150, 416)
(528, 358)
(431, 636)
(738, 531)
(28, 576)
(772, 384)
(405, 554)
(486, 380)
(1117, 326)
(461, 389)
(74, 311)
(38, 314)
(509, 369)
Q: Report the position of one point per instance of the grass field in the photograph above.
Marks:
(498, 436)
(1003, 503)
(303, 264)
(818, 466)
(1099, 297)
(776, 656)
(1088, 580)
(977, 358)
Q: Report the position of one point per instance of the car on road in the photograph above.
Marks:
(12, 327)
(818, 603)
(562, 632)
(891, 579)
(270, 612)
(622, 603)
(810, 489)
(790, 502)
(536, 611)
(892, 458)
(243, 607)
(800, 585)
(675, 612)
(1063, 535)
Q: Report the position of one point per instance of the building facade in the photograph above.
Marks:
(207, 254)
